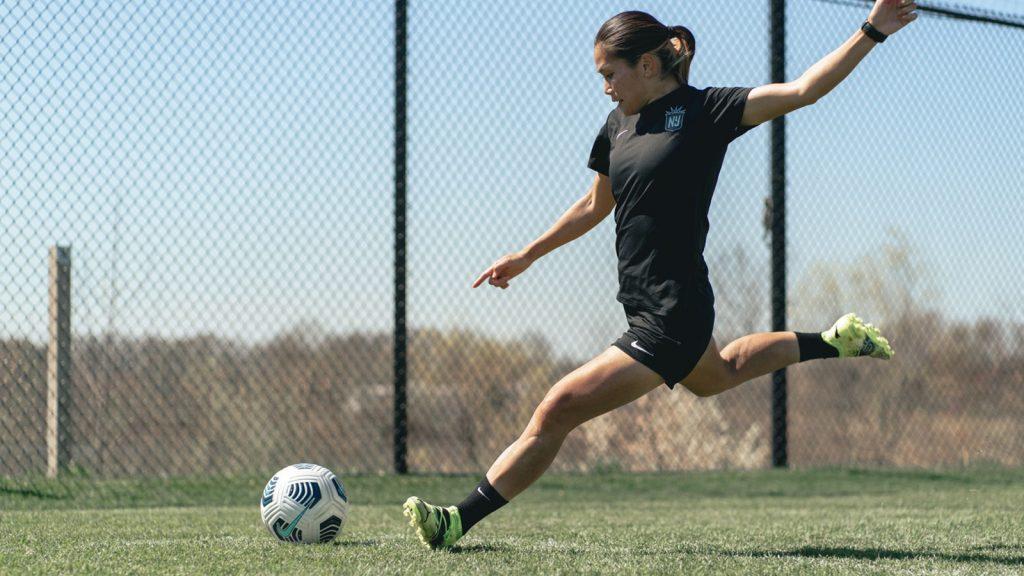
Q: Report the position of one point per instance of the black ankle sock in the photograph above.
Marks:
(812, 346)
(483, 500)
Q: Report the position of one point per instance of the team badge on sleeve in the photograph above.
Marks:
(674, 118)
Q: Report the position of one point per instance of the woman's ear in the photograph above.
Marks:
(649, 65)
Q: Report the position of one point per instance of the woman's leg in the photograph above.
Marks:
(763, 353)
(743, 359)
(610, 380)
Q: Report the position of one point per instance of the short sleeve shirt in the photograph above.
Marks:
(664, 163)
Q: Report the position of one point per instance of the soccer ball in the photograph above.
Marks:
(304, 503)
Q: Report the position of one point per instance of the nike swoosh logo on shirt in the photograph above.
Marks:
(621, 133)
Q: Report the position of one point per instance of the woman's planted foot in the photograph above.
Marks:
(437, 527)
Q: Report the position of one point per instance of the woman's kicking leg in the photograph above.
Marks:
(758, 354)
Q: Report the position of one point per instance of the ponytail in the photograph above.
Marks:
(630, 35)
(678, 61)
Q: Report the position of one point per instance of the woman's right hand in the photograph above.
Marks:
(889, 16)
(504, 269)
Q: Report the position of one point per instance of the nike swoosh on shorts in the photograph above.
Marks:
(634, 345)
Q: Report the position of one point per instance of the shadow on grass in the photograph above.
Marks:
(480, 548)
(881, 553)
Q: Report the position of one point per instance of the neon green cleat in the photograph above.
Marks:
(437, 527)
(852, 337)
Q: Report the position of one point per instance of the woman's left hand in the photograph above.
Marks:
(890, 16)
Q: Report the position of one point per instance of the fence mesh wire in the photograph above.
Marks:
(223, 174)
(902, 206)
(229, 232)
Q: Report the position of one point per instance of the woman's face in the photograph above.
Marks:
(621, 82)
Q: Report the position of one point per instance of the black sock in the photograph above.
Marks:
(812, 346)
(483, 500)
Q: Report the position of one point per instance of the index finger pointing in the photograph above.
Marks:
(482, 277)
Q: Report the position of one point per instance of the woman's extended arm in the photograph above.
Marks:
(583, 215)
(577, 220)
(773, 100)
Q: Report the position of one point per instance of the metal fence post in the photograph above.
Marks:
(778, 223)
(401, 466)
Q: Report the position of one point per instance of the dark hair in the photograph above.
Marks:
(630, 35)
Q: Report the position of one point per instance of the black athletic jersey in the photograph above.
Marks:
(664, 163)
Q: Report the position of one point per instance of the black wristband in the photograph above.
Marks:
(873, 32)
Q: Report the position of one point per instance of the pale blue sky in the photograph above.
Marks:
(237, 160)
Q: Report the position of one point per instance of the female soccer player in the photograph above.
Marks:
(657, 160)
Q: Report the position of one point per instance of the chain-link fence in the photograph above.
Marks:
(228, 215)
(904, 205)
(224, 177)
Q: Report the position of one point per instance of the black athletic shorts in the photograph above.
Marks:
(670, 344)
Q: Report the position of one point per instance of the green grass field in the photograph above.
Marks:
(761, 522)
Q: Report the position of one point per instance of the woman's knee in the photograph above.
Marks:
(556, 414)
(606, 382)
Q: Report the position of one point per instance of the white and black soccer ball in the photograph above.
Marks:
(304, 503)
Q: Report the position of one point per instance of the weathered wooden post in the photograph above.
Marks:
(58, 363)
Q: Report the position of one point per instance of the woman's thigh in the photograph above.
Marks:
(711, 375)
(609, 380)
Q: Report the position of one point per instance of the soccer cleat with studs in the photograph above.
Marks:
(435, 526)
(853, 337)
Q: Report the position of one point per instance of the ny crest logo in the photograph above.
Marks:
(674, 118)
